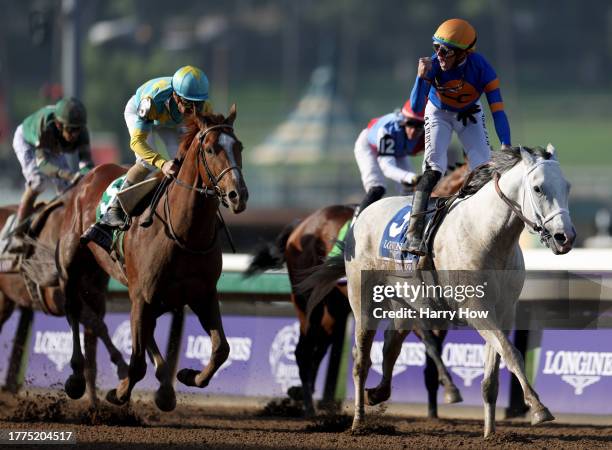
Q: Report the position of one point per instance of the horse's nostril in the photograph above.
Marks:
(560, 238)
(232, 195)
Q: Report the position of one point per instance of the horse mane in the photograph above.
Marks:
(193, 124)
(501, 161)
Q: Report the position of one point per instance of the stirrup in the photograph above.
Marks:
(415, 247)
(114, 217)
(99, 234)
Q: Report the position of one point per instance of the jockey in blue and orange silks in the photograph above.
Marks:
(159, 107)
(449, 85)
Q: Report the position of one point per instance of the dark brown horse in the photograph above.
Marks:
(174, 262)
(305, 244)
(40, 259)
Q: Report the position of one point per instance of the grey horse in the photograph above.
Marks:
(519, 187)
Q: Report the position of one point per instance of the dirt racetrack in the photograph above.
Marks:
(142, 426)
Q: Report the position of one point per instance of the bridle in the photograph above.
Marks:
(208, 191)
(215, 189)
(536, 226)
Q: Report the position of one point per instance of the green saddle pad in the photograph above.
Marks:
(108, 196)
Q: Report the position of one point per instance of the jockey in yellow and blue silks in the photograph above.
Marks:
(158, 106)
(449, 85)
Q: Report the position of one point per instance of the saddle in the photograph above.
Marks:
(137, 200)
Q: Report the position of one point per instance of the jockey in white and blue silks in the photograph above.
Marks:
(159, 107)
(450, 84)
(383, 150)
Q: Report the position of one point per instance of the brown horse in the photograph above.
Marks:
(13, 291)
(305, 244)
(175, 261)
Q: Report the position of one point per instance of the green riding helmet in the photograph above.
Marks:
(71, 112)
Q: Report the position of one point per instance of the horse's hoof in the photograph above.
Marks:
(432, 413)
(165, 398)
(188, 377)
(452, 395)
(374, 396)
(111, 397)
(542, 415)
(75, 386)
(489, 433)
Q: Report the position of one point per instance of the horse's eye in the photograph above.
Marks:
(538, 189)
(209, 150)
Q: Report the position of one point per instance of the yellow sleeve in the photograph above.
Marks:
(140, 146)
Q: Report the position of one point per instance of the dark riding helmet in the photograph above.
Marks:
(70, 112)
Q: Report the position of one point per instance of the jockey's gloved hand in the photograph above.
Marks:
(468, 114)
(170, 169)
(410, 180)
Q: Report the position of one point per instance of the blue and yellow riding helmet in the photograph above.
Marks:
(190, 83)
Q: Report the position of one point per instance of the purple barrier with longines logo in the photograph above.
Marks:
(575, 371)
(462, 354)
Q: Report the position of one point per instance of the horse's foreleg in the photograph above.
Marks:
(391, 350)
(514, 361)
(490, 387)
(90, 342)
(435, 370)
(209, 315)
(143, 323)
(361, 355)
(165, 398)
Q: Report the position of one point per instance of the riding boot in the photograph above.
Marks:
(101, 232)
(26, 208)
(414, 237)
(413, 242)
(374, 194)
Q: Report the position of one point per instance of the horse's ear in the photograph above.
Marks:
(527, 156)
(550, 149)
(231, 117)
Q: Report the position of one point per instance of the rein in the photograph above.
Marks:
(207, 191)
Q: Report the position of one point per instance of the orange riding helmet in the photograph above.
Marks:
(456, 33)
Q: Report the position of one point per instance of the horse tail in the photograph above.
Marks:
(271, 255)
(320, 281)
